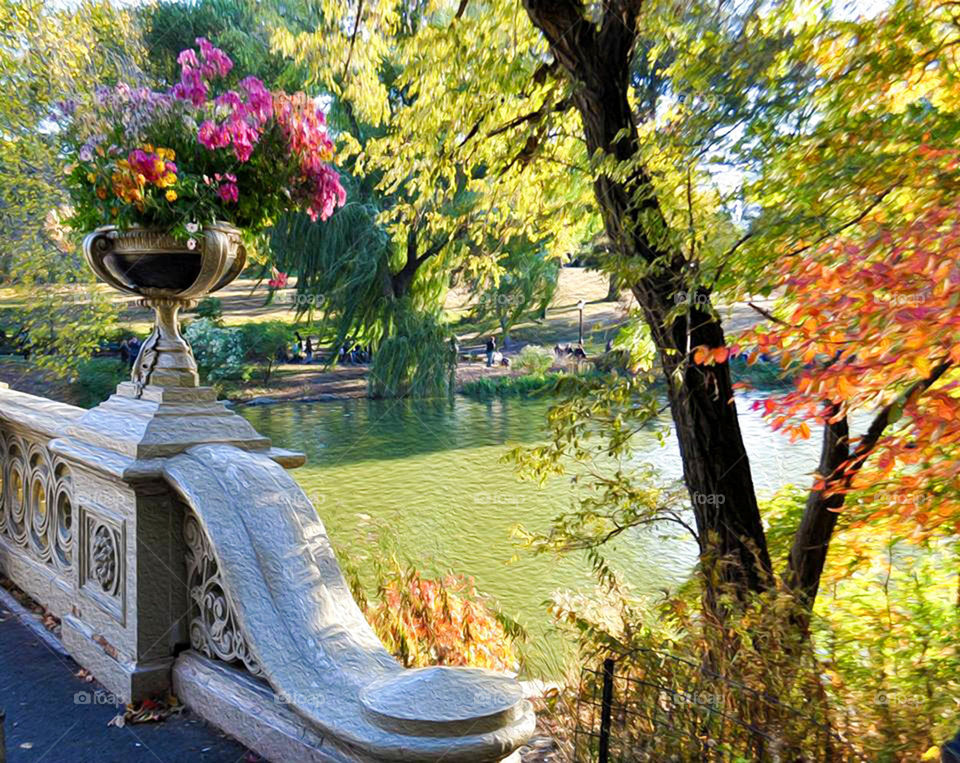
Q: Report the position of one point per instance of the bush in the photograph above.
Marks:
(427, 621)
(529, 385)
(534, 360)
(262, 342)
(218, 351)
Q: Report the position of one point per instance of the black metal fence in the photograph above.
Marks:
(664, 708)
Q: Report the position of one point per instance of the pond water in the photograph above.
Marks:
(427, 478)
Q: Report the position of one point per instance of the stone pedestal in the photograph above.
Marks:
(129, 610)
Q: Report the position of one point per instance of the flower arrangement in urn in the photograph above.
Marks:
(172, 182)
(212, 147)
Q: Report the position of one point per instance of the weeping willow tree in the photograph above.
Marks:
(444, 218)
(416, 359)
(366, 286)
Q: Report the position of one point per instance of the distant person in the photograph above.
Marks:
(309, 350)
(491, 347)
(455, 348)
(125, 351)
(609, 346)
(579, 353)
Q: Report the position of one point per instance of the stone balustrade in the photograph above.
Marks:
(179, 554)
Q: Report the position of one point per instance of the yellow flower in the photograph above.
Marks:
(171, 154)
(91, 177)
(169, 179)
(148, 147)
(171, 195)
(159, 166)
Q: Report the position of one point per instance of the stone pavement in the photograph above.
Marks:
(55, 717)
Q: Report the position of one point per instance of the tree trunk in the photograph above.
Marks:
(596, 60)
(812, 539)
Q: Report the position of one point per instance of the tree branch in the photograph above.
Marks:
(850, 223)
(768, 315)
(882, 420)
(353, 39)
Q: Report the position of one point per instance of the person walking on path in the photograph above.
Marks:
(491, 348)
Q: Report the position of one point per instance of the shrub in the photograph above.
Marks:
(218, 350)
(529, 385)
(534, 360)
(262, 342)
(438, 621)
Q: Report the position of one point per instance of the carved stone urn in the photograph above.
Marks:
(168, 275)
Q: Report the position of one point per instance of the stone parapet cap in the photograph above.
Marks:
(37, 414)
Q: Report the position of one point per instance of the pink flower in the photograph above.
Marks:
(191, 87)
(230, 99)
(259, 99)
(212, 136)
(188, 58)
(215, 61)
(279, 280)
(228, 192)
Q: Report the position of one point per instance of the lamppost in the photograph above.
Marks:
(580, 305)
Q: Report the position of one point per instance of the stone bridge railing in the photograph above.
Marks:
(167, 536)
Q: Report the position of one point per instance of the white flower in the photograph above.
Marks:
(192, 227)
(191, 243)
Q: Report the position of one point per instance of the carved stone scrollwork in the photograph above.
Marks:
(105, 559)
(16, 494)
(35, 501)
(214, 631)
(61, 525)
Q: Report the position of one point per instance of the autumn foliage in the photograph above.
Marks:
(438, 621)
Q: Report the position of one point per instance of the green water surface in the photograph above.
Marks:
(428, 478)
